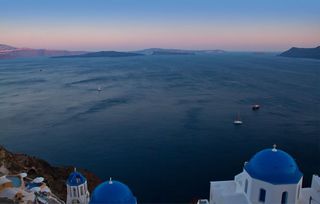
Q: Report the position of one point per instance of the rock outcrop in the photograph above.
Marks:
(55, 177)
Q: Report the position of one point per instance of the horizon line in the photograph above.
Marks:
(154, 47)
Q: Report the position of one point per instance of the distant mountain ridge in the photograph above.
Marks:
(150, 51)
(6, 47)
(313, 53)
(102, 54)
(163, 51)
(10, 52)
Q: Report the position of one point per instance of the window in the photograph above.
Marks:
(262, 195)
(310, 200)
(246, 186)
(284, 198)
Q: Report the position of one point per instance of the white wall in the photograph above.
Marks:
(273, 192)
(74, 193)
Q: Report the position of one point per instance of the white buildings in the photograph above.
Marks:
(271, 177)
(19, 188)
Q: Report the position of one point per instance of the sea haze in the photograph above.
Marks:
(161, 124)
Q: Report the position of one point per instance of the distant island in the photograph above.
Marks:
(313, 53)
(102, 54)
(10, 52)
(171, 53)
(162, 51)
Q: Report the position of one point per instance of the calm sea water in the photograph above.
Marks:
(161, 124)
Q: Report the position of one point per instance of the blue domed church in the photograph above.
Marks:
(112, 192)
(272, 177)
(108, 192)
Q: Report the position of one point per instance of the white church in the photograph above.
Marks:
(108, 192)
(271, 177)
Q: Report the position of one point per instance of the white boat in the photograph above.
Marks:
(237, 121)
(99, 88)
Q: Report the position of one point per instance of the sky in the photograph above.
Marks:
(233, 25)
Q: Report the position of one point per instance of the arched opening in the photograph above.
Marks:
(246, 186)
(75, 192)
(284, 198)
(262, 195)
(81, 190)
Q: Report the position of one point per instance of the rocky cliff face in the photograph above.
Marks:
(55, 177)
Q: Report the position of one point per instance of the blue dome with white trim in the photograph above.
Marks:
(112, 192)
(76, 179)
(273, 166)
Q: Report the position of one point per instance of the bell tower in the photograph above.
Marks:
(77, 189)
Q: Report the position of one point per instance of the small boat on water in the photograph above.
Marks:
(255, 107)
(238, 121)
(99, 88)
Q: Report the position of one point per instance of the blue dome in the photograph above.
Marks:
(273, 166)
(112, 192)
(75, 179)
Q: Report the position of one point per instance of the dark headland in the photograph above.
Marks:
(312, 53)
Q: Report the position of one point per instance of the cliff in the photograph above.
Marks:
(55, 177)
(313, 53)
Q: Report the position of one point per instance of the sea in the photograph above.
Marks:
(163, 125)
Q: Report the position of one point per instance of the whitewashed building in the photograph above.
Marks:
(77, 189)
(272, 177)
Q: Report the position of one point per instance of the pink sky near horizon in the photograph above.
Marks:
(244, 37)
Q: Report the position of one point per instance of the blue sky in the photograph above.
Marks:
(266, 25)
